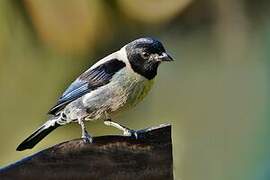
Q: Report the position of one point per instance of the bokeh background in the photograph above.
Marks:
(215, 94)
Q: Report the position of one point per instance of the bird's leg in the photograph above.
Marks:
(85, 135)
(126, 131)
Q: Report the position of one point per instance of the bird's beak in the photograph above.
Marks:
(165, 57)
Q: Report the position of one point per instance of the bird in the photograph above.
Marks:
(112, 85)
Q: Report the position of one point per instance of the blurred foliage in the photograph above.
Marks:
(216, 94)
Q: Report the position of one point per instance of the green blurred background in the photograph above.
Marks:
(215, 94)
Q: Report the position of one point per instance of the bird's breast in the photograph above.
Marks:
(125, 90)
(133, 88)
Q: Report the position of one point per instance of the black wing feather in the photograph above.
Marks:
(87, 82)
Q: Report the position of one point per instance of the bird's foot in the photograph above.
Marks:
(131, 133)
(86, 137)
(126, 131)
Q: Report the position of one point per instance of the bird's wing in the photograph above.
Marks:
(88, 81)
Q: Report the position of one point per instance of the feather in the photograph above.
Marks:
(87, 82)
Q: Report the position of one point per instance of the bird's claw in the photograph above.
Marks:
(131, 133)
(87, 138)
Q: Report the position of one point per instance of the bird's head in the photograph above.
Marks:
(145, 55)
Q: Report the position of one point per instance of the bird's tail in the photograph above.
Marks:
(39, 134)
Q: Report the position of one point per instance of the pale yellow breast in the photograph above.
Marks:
(135, 89)
(141, 90)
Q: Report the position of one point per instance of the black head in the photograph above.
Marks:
(145, 55)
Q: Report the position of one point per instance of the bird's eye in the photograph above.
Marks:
(145, 55)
